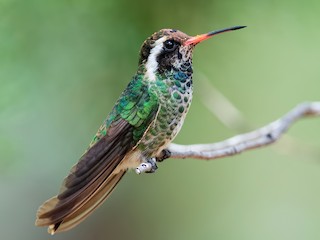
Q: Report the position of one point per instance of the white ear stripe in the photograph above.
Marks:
(152, 64)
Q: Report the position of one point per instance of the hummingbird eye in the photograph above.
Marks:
(169, 45)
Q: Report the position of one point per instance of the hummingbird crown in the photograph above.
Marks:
(165, 51)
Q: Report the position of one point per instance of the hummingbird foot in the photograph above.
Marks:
(149, 166)
(165, 153)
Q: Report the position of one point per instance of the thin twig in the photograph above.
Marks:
(230, 116)
(255, 139)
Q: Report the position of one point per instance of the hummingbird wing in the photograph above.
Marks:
(96, 174)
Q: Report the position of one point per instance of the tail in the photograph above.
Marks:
(90, 181)
(56, 214)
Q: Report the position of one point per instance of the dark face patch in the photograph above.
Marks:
(173, 34)
(166, 58)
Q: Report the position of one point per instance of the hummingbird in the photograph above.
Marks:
(146, 118)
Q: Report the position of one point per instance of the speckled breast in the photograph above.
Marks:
(175, 95)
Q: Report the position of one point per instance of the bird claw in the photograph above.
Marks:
(148, 167)
(165, 153)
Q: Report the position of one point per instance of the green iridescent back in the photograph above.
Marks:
(162, 103)
(136, 105)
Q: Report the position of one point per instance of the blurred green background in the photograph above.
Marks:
(63, 64)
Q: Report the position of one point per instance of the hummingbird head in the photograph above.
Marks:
(170, 49)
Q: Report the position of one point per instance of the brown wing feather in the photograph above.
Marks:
(90, 181)
(95, 201)
(97, 173)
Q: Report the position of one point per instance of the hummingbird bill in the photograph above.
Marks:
(146, 118)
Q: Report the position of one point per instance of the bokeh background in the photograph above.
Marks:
(63, 64)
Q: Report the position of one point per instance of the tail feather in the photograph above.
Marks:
(79, 214)
(90, 181)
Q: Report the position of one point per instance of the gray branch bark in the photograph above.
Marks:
(251, 140)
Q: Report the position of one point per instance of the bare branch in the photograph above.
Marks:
(235, 145)
(229, 115)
